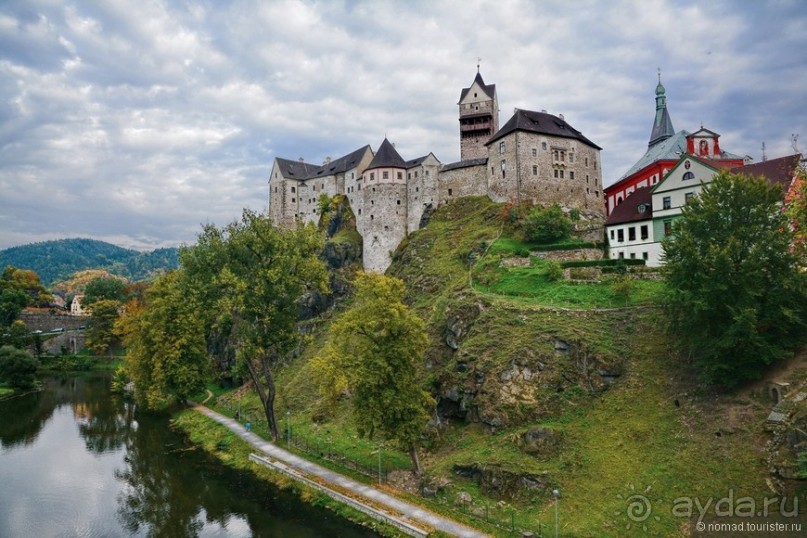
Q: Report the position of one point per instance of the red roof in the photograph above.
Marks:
(628, 211)
(778, 171)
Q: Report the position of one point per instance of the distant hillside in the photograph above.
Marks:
(57, 260)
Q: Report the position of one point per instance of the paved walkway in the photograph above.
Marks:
(413, 513)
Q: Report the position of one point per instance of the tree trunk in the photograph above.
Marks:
(266, 392)
(417, 470)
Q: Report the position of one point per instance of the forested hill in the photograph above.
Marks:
(57, 260)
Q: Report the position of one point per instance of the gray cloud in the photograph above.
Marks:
(136, 122)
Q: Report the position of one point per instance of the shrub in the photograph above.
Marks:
(17, 367)
(547, 225)
(554, 270)
(574, 214)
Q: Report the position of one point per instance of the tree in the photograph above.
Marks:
(166, 355)
(19, 288)
(247, 279)
(736, 300)
(101, 326)
(17, 367)
(374, 350)
(547, 225)
(104, 289)
(796, 211)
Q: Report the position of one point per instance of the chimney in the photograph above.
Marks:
(326, 161)
(301, 160)
(561, 117)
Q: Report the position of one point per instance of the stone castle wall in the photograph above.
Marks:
(382, 222)
(461, 182)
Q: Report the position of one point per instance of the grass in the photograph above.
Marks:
(5, 391)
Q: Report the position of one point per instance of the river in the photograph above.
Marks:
(78, 461)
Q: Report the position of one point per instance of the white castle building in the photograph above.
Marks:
(535, 158)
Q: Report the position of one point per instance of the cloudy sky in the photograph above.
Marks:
(135, 121)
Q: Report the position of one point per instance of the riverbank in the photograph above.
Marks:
(234, 452)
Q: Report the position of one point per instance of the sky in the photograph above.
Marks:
(137, 122)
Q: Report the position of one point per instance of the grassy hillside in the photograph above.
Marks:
(541, 391)
(57, 260)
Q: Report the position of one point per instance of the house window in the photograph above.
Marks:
(632, 233)
(667, 227)
(643, 231)
(501, 148)
(386, 174)
(688, 175)
(666, 202)
(688, 196)
(612, 235)
(621, 255)
(632, 255)
(620, 235)
(642, 208)
(644, 255)
(534, 170)
(534, 152)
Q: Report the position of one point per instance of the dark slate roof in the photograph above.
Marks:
(489, 89)
(303, 170)
(387, 157)
(464, 164)
(670, 149)
(662, 124)
(778, 171)
(541, 123)
(628, 210)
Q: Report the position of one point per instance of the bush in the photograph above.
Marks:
(554, 271)
(547, 225)
(17, 367)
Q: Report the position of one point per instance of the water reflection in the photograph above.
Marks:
(76, 461)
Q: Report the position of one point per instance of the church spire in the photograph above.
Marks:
(662, 125)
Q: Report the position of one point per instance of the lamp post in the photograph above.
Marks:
(556, 494)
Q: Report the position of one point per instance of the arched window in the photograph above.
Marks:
(688, 175)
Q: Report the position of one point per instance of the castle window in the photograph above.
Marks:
(586, 178)
(586, 161)
(416, 174)
(359, 211)
(386, 174)
(427, 173)
(571, 157)
(386, 228)
(417, 189)
(449, 192)
(292, 200)
(503, 168)
(275, 189)
(373, 189)
(372, 202)
(534, 170)
(292, 189)
(398, 202)
(400, 175)
(371, 217)
(561, 174)
(556, 172)
(372, 176)
(571, 174)
(474, 94)
(323, 186)
(534, 152)
(501, 148)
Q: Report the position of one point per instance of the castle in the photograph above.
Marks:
(535, 158)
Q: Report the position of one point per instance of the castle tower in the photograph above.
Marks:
(479, 118)
(381, 219)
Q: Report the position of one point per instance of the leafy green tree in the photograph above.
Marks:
(248, 278)
(17, 367)
(737, 300)
(100, 330)
(547, 225)
(104, 289)
(19, 288)
(164, 338)
(796, 211)
(373, 353)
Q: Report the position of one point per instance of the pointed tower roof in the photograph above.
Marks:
(662, 125)
(387, 157)
(489, 89)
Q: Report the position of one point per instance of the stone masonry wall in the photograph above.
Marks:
(461, 182)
